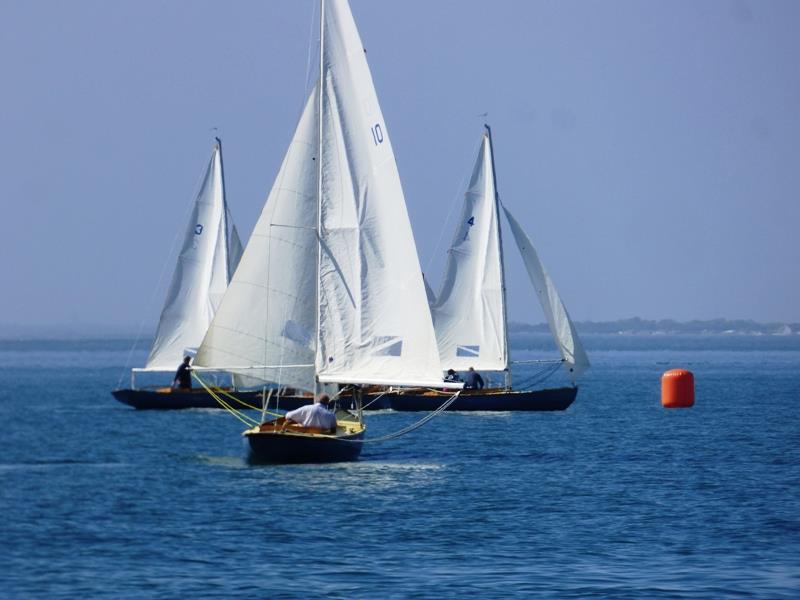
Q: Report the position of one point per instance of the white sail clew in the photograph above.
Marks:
(210, 253)
(469, 313)
(575, 359)
(348, 305)
(266, 324)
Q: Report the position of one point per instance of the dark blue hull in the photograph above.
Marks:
(271, 447)
(410, 400)
(485, 400)
(166, 399)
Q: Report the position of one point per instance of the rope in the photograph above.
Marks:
(248, 421)
(537, 362)
(374, 400)
(412, 427)
(235, 399)
(540, 377)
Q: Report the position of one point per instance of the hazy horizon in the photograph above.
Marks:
(10, 331)
(649, 149)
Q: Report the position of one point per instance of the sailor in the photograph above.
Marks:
(314, 415)
(452, 376)
(473, 380)
(183, 376)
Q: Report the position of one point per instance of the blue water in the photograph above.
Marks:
(614, 497)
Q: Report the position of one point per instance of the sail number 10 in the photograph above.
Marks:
(377, 133)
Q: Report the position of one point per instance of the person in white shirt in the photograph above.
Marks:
(314, 415)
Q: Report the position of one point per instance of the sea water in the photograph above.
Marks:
(614, 497)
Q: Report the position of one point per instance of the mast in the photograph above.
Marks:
(224, 213)
(507, 371)
(319, 175)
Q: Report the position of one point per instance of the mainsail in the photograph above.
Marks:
(561, 327)
(210, 253)
(330, 284)
(469, 313)
(375, 324)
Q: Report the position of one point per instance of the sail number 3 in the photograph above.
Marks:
(377, 133)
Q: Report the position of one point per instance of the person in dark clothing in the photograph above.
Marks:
(473, 380)
(452, 376)
(183, 376)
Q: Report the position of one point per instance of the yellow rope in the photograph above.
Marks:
(214, 391)
(250, 422)
(240, 401)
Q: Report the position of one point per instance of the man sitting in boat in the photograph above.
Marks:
(183, 376)
(473, 380)
(452, 376)
(315, 416)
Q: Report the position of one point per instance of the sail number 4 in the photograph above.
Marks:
(377, 133)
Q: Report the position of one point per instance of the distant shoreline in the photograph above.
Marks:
(637, 326)
(634, 327)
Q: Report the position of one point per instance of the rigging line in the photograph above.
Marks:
(538, 378)
(159, 283)
(233, 411)
(374, 400)
(221, 391)
(238, 414)
(248, 421)
(267, 298)
(537, 362)
(413, 426)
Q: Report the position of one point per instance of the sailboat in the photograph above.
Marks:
(469, 312)
(209, 256)
(329, 291)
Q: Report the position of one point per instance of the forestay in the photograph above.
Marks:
(468, 314)
(561, 327)
(209, 255)
(374, 323)
(265, 328)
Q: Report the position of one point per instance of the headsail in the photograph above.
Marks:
(374, 325)
(266, 324)
(210, 252)
(567, 340)
(469, 313)
(229, 246)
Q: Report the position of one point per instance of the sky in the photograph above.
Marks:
(649, 149)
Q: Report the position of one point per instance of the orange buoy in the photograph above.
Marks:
(677, 389)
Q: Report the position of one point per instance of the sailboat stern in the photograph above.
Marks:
(268, 444)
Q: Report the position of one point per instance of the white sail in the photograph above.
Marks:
(469, 313)
(265, 328)
(374, 324)
(210, 251)
(567, 340)
(228, 250)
